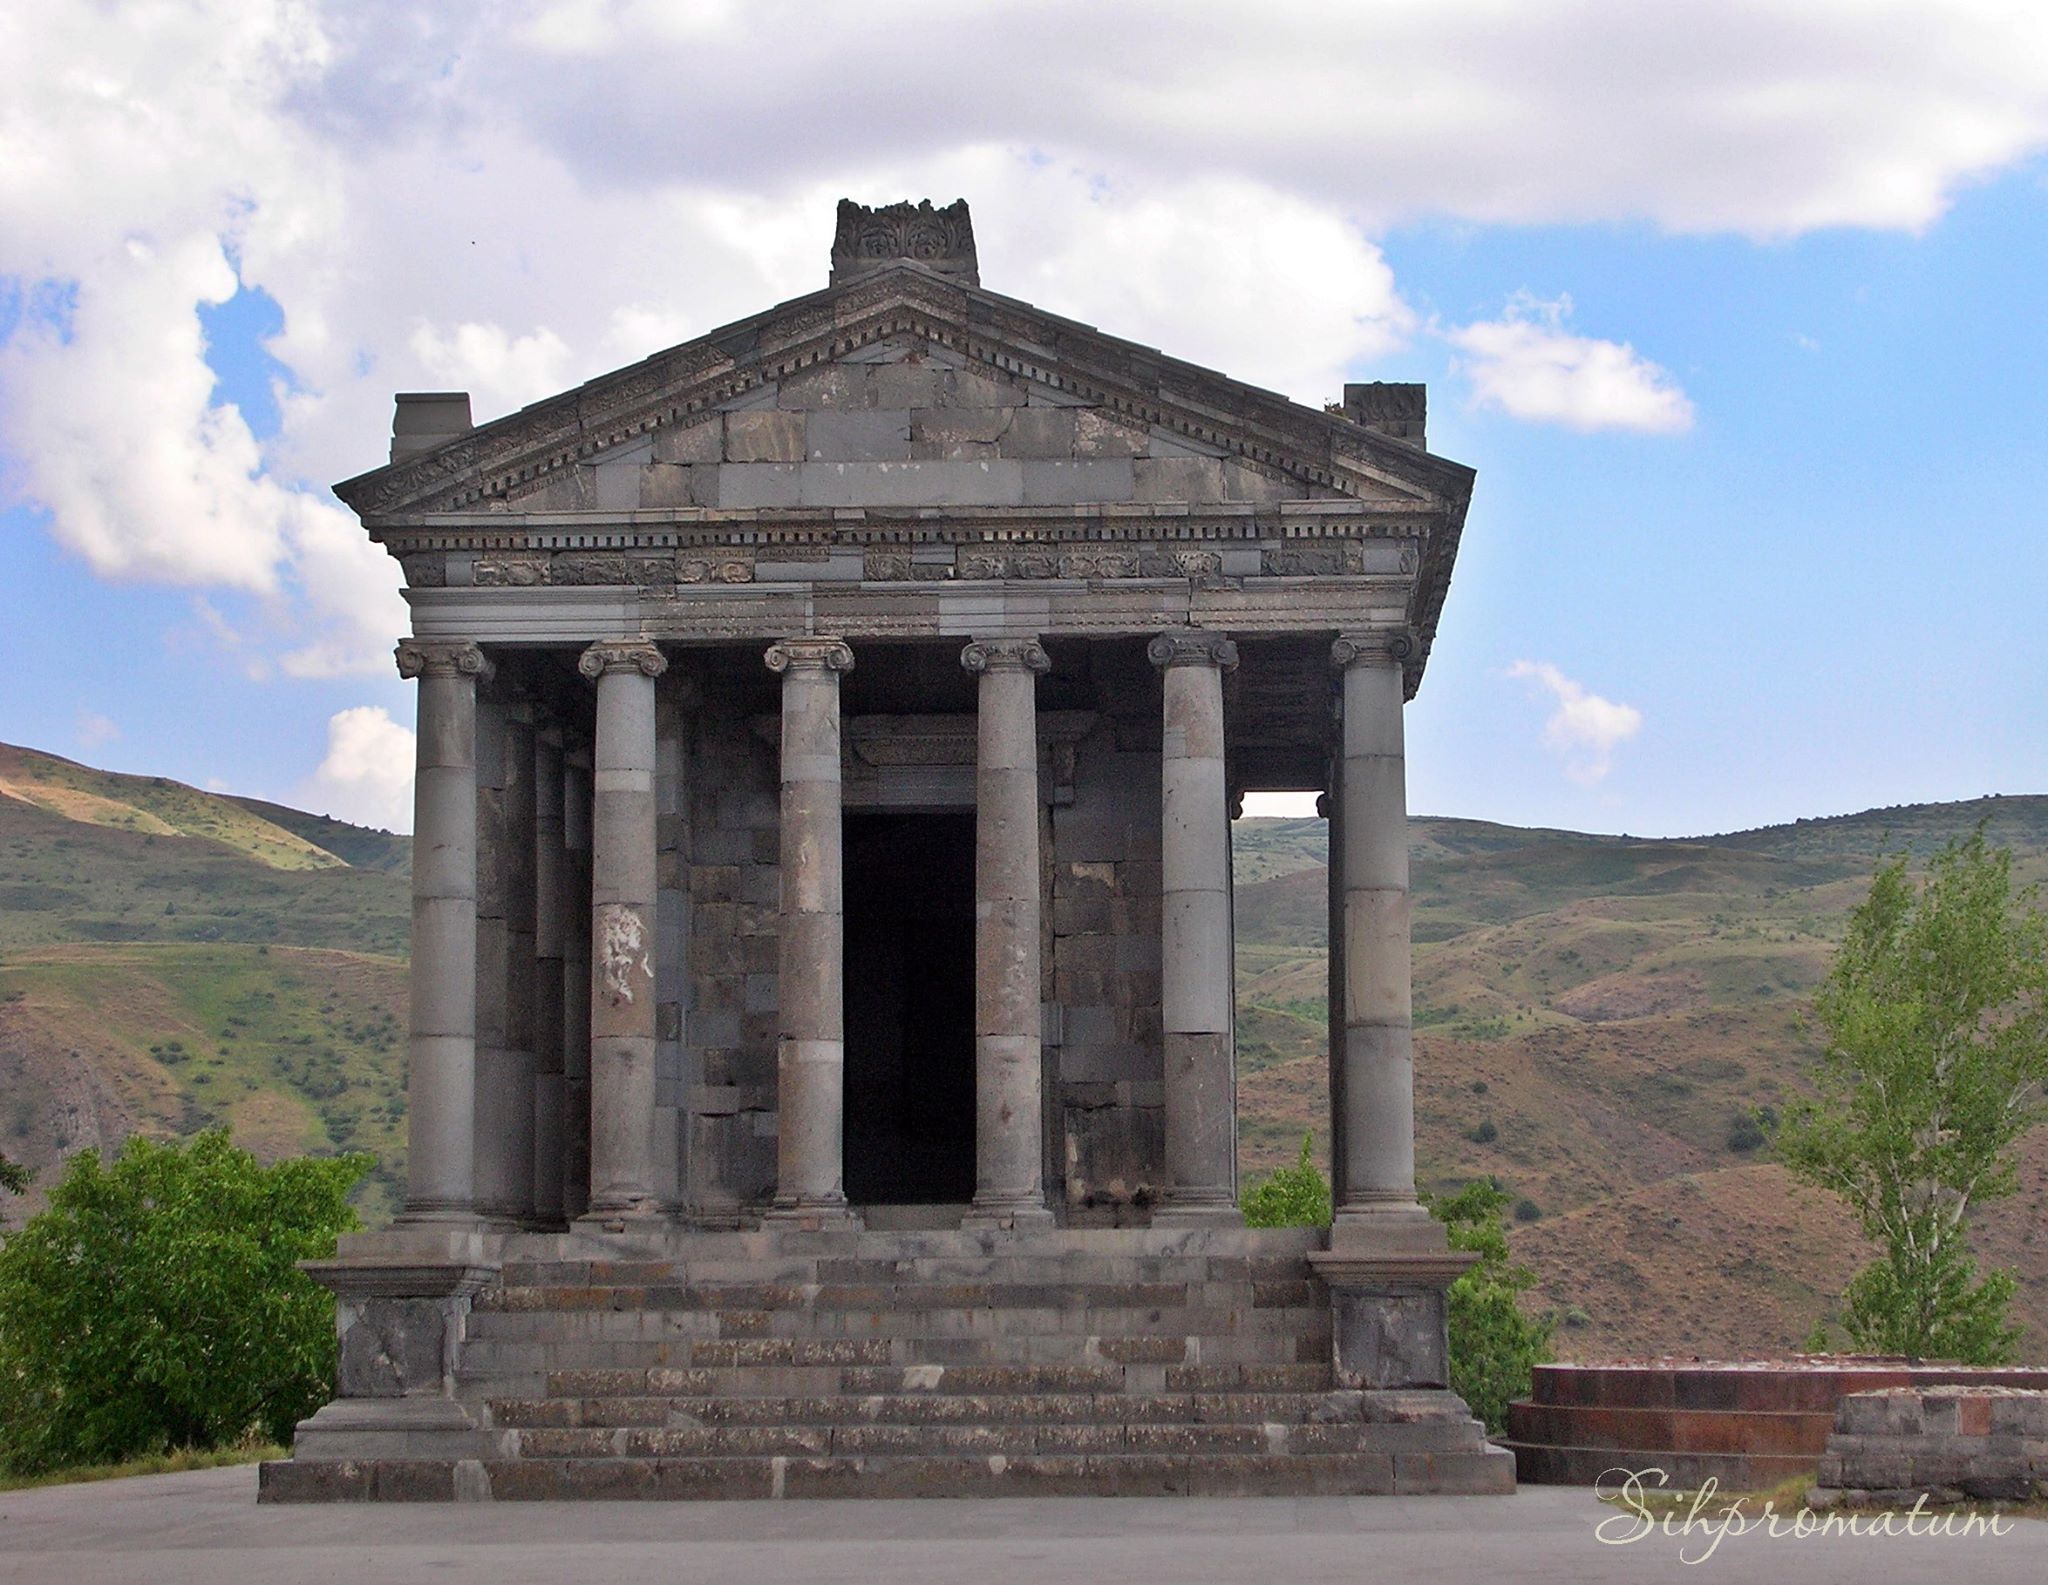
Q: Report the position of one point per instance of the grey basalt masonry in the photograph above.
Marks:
(829, 729)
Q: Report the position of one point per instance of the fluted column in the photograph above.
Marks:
(622, 902)
(1195, 968)
(1009, 1082)
(811, 1053)
(441, 1090)
(549, 938)
(505, 1066)
(1373, 1096)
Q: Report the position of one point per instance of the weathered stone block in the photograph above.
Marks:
(764, 437)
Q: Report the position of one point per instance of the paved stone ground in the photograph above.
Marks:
(206, 1526)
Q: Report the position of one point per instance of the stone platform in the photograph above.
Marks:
(834, 1364)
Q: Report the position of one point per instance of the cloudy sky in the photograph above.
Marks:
(1736, 308)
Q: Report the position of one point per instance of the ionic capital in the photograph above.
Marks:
(1189, 646)
(1391, 648)
(622, 654)
(1005, 654)
(809, 654)
(442, 657)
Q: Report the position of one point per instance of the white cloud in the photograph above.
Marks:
(367, 775)
(95, 730)
(1528, 365)
(513, 196)
(1584, 728)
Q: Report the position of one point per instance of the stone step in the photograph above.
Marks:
(927, 1408)
(1063, 1258)
(868, 1381)
(1294, 1291)
(547, 1325)
(1010, 1440)
(1472, 1469)
(489, 1357)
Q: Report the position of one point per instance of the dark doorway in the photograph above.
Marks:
(910, 1008)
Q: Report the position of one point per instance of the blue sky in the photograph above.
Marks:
(1748, 354)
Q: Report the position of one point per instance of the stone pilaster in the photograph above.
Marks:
(1009, 1069)
(575, 902)
(504, 1065)
(1196, 978)
(441, 1092)
(622, 899)
(811, 1049)
(550, 869)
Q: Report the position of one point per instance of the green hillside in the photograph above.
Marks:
(170, 959)
(1597, 1020)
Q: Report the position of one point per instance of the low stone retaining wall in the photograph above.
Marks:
(1745, 1424)
(1945, 1443)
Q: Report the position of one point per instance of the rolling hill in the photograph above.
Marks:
(1597, 1020)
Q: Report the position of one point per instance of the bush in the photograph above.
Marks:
(1745, 1134)
(1527, 1210)
(1484, 1134)
(1493, 1344)
(156, 1304)
(1295, 1196)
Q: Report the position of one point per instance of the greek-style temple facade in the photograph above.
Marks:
(829, 731)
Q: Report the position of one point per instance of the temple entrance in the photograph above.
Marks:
(909, 1008)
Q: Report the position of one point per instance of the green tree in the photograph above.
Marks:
(14, 1177)
(1934, 1024)
(1493, 1344)
(156, 1304)
(1295, 1196)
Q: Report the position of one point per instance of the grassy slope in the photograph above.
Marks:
(170, 959)
(1612, 1007)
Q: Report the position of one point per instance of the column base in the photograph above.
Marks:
(640, 1214)
(996, 1213)
(455, 1219)
(1181, 1211)
(1389, 1325)
(813, 1215)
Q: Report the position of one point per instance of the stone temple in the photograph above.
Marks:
(821, 1063)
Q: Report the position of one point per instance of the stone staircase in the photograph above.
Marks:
(768, 1365)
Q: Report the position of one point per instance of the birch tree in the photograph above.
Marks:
(1935, 1058)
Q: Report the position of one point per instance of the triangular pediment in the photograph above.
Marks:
(905, 389)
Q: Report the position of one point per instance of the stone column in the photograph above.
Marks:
(441, 1093)
(575, 902)
(1195, 967)
(550, 867)
(810, 1060)
(1375, 1128)
(1009, 1073)
(1388, 1263)
(622, 899)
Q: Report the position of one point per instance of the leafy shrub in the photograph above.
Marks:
(1295, 1196)
(1484, 1134)
(1527, 1210)
(1493, 1344)
(1745, 1134)
(156, 1304)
